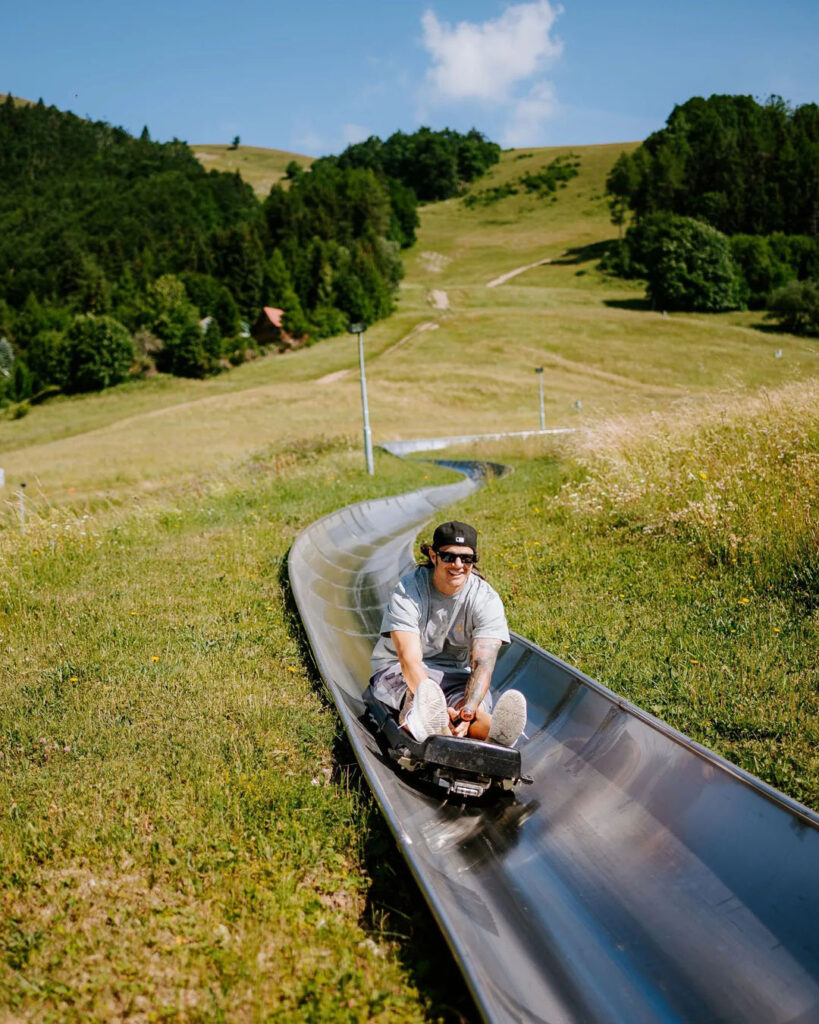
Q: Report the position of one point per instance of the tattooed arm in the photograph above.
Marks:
(482, 659)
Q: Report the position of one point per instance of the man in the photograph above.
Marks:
(440, 636)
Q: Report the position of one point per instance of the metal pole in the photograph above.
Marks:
(539, 372)
(368, 438)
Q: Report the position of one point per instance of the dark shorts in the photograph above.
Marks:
(389, 687)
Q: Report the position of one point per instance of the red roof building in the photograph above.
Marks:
(267, 329)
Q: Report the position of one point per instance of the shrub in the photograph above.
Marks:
(98, 353)
(691, 269)
(188, 355)
(796, 307)
(762, 269)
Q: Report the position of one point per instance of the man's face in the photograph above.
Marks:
(450, 576)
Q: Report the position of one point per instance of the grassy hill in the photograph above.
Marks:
(18, 100)
(259, 167)
(598, 344)
(182, 831)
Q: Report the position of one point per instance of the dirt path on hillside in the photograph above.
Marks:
(429, 325)
(328, 378)
(514, 273)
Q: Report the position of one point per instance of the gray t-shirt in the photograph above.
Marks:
(447, 624)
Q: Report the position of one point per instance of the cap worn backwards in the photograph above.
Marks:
(455, 533)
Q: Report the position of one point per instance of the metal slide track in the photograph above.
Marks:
(641, 878)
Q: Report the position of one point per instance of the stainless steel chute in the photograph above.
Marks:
(641, 878)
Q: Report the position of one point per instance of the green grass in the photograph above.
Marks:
(180, 837)
(183, 834)
(472, 373)
(261, 168)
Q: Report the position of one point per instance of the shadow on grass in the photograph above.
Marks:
(636, 304)
(394, 905)
(583, 254)
(768, 327)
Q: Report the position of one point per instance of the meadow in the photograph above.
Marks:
(183, 832)
(260, 168)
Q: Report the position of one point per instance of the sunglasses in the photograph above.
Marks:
(450, 556)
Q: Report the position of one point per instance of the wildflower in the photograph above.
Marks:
(745, 600)
(74, 679)
(703, 476)
(154, 657)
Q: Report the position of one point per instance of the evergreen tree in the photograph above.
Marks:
(279, 293)
(47, 358)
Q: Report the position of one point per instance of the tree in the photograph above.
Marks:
(168, 312)
(739, 165)
(240, 264)
(279, 292)
(173, 318)
(99, 352)
(621, 184)
(191, 354)
(761, 267)
(796, 307)
(46, 356)
(212, 298)
(235, 143)
(691, 269)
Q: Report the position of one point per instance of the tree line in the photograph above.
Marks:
(119, 254)
(724, 206)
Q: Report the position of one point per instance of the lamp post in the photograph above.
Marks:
(359, 329)
(539, 372)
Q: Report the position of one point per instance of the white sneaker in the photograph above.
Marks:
(508, 718)
(428, 714)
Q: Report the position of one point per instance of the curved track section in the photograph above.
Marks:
(641, 878)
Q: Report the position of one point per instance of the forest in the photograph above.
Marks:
(724, 209)
(121, 255)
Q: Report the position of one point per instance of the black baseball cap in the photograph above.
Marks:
(455, 533)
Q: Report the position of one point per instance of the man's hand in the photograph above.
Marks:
(458, 725)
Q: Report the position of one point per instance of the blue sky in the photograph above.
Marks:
(313, 76)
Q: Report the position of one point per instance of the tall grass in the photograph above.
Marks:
(675, 558)
(738, 479)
